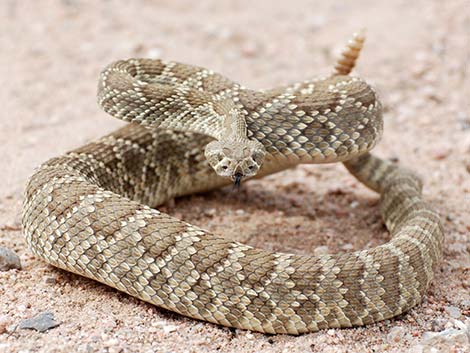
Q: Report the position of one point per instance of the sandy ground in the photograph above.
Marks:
(418, 57)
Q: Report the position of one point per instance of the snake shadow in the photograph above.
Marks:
(287, 218)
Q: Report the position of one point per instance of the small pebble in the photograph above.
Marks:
(158, 323)
(169, 328)
(9, 260)
(464, 121)
(117, 349)
(321, 250)
(21, 308)
(453, 311)
(210, 212)
(50, 280)
(396, 334)
(154, 53)
(441, 154)
(111, 342)
(436, 325)
(4, 323)
(108, 324)
(240, 212)
(11, 227)
(41, 322)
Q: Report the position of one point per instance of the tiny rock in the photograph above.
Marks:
(4, 323)
(9, 260)
(41, 322)
(464, 121)
(210, 212)
(453, 311)
(111, 342)
(441, 154)
(169, 328)
(396, 335)
(50, 280)
(321, 250)
(154, 53)
(330, 332)
(437, 324)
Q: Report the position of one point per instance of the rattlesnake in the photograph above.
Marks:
(86, 212)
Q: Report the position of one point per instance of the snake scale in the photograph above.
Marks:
(91, 211)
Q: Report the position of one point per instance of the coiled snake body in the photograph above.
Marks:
(86, 212)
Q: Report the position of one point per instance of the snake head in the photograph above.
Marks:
(236, 159)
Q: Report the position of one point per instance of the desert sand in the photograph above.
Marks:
(417, 55)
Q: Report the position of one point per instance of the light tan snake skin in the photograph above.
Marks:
(86, 212)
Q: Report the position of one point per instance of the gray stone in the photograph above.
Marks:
(9, 260)
(453, 311)
(41, 322)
